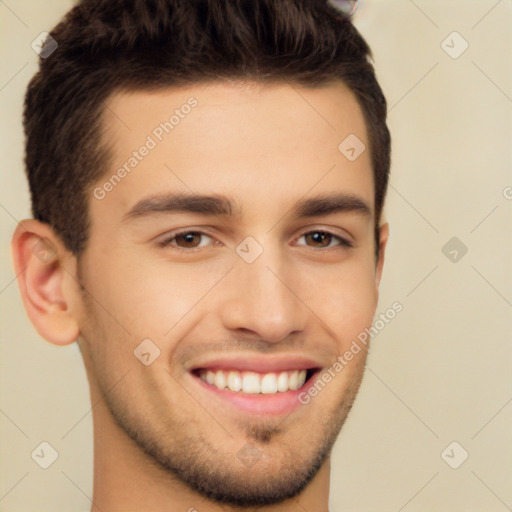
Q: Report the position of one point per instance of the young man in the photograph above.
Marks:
(207, 182)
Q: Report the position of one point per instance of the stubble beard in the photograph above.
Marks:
(224, 477)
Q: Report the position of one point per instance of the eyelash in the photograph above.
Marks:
(166, 242)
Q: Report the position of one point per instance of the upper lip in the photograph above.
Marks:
(258, 363)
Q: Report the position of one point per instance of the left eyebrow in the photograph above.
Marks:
(328, 204)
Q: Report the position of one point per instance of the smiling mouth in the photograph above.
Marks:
(254, 383)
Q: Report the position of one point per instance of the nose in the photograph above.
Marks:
(263, 298)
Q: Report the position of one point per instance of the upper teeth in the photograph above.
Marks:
(252, 382)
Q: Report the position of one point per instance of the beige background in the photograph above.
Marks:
(439, 372)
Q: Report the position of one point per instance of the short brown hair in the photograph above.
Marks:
(108, 45)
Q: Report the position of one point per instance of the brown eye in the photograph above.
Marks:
(324, 239)
(190, 239)
(186, 240)
(319, 238)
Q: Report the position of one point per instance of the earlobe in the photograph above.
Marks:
(39, 258)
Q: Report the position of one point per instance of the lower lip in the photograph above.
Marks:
(268, 404)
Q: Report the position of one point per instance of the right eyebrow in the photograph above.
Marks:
(183, 202)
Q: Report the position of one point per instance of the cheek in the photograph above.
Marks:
(166, 297)
(347, 303)
(147, 300)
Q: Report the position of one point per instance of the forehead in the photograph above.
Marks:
(256, 140)
(236, 105)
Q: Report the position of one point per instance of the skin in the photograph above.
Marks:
(158, 435)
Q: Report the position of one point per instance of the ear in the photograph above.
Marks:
(383, 240)
(46, 272)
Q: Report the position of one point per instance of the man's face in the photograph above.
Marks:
(289, 298)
